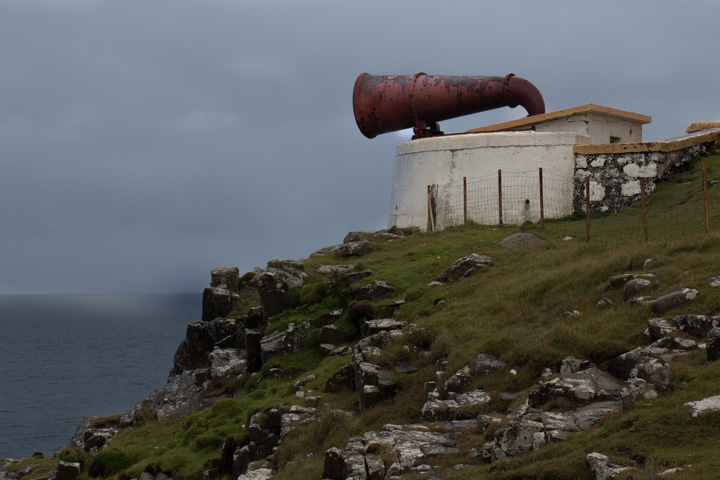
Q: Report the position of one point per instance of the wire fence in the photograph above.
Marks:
(684, 204)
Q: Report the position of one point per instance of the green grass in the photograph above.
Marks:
(513, 311)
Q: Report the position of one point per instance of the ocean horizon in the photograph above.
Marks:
(67, 356)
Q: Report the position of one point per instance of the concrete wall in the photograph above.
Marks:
(446, 160)
(600, 128)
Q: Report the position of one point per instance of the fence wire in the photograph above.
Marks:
(675, 207)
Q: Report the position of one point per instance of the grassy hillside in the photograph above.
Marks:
(513, 311)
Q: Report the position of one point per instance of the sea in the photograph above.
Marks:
(64, 357)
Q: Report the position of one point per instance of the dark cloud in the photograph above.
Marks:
(143, 143)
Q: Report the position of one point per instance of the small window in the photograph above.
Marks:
(614, 139)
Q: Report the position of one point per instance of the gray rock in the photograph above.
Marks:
(657, 329)
(225, 277)
(697, 325)
(602, 468)
(371, 327)
(701, 407)
(714, 282)
(516, 437)
(354, 237)
(639, 364)
(464, 267)
(673, 299)
(325, 250)
(218, 302)
(570, 313)
(484, 364)
(618, 281)
(603, 304)
(340, 269)
(183, 395)
(436, 410)
(259, 474)
(713, 345)
(518, 239)
(373, 291)
(285, 342)
(582, 387)
(227, 365)
(457, 382)
(634, 287)
(67, 470)
(328, 318)
(342, 379)
(333, 465)
(637, 389)
(571, 365)
(273, 290)
(354, 249)
(194, 351)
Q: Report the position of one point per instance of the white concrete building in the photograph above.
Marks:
(518, 149)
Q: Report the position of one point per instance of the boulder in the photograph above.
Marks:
(673, 299)
(354, 249)
(701, 407)
(521, 238)
(373, 291)
(634, 287)
(227, 365)
(328, 318)
(225, 277)
(218, 302)
(637, 389)
(639, 363)
(697, 325)
(272, 289)
(464, 267)
(290, 272)
(515, 438)
(333, 465)
(332, 269)
(713, 345)
(285, 342)
(579, 388)
(354, 237)
(603, 304)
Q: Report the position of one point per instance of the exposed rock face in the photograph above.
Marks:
(521, 238)
(285, 342)
(657, 329)
(464, 267)
(67, 470)
(697, 325)
(273, 290)
(342, 379)
(193, 352)
(182, 395)
(580, 388)
(373, 291)
(353, 249)
(639, 363)
(333, 335)
(673, 299)
(225, 277)
(354, 237)
(218, 302)
(411, 447)
(617, 282)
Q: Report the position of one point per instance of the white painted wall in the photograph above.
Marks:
(598, 126)
(446, 160)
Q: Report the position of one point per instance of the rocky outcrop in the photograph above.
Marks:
(713, 345)
(218, 302)
(520, 238)
(225, 277)
(696, 325)
(704, 406)
(285, 342)
(602, 468)
(406, 449)
(373, 291)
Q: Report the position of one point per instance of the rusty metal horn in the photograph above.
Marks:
(386, 103)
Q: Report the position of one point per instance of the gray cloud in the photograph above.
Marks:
(143, 143)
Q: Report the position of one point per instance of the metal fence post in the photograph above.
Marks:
(500, 197)
(464, 199)
(542, 207)
(644, 211)
(587, 208)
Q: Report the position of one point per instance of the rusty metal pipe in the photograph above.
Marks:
(386, 103)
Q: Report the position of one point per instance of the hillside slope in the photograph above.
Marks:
(515, 371)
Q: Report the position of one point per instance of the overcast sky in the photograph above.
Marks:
(143, 142)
